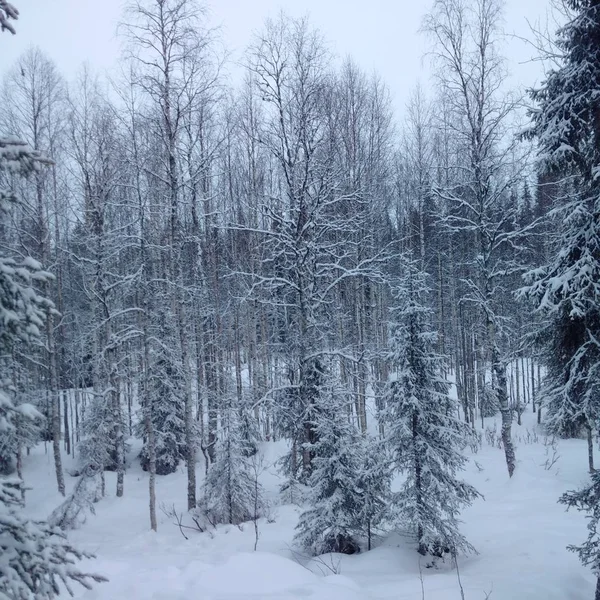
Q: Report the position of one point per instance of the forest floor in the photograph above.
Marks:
(519, 530)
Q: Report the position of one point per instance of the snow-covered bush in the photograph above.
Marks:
(72, 513)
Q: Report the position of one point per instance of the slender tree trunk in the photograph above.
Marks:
(55, 404)
(148, 403)
(526, 394)
(518, 384)
(539, 379)
(119, 443)
(20, 469)
(590, 445)
(361, 366)
(77, 395)
(533, 392)
(501, 393)
(418, 484)
(66, 422)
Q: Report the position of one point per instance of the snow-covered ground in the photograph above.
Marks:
(520, 531)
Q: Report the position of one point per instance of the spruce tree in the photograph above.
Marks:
(423, 432)
(36, 561)
(168, 418)
(374, 483)
(588, 500)
(232, 493)
(566, 290)
(335, 498)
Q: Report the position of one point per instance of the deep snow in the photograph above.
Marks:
(520, 531)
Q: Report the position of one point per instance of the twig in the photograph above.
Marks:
(173, 514)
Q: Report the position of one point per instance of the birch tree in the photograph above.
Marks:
(309, 248)
(470, 76)
(165, 38)
(33, 93)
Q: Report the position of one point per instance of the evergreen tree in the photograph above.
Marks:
(22, 309)
(375, 485)
(25, 431)
(36, 560)
(588, 500)
(335, 498)
(249, 430)
(168, 418)
(566, 291)
(232, 493)
(423, 432)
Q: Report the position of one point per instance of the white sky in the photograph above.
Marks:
(379, 34)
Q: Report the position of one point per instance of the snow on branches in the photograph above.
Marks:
(8, 13)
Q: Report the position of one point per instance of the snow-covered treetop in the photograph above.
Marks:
(566, 117)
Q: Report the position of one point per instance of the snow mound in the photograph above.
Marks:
(263, 575)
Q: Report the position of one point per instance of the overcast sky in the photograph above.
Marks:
(379, 34)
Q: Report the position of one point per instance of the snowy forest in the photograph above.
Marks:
(264, 337)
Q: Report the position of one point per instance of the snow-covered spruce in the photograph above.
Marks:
(331, 521)
(35, 559)
(374, 482)
(566, 290)
(587, 500)
(423, 432)
(25, 430)
(231, 492)
(97, 448)
(22, 311)
(168, 416)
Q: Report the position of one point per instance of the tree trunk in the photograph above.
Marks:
(505, 412)
(590, 445)
(533, 394)
(149, 426)
(66, 422)
(119, 440)
(526, 393)
(417, 465)
(55, 404)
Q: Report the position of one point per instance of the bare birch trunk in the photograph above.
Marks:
(501, 393)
